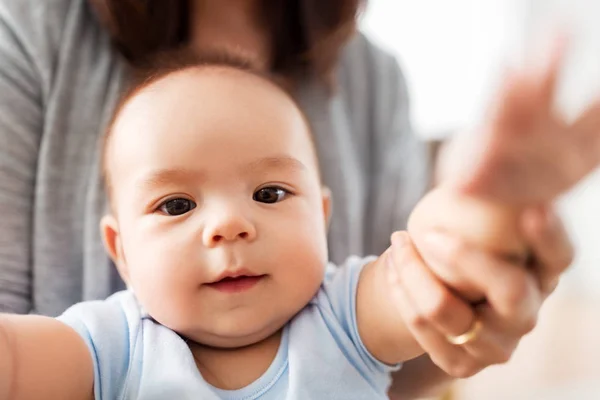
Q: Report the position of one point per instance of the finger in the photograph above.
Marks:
(550, 77)
(453, 360)
(435, 305)
(494, 345)
(435, 302)
(429, 306)
(586, 132)
(503, 143)
(516, 106)
(512, 291)
(433, 342)
(552, 249)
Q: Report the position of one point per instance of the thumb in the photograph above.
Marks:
(399, 253)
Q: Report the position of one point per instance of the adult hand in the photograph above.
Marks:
(525, 156)
(434, 310)
(525, 152)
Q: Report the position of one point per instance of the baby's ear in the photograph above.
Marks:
(326, 194)
(112, 243)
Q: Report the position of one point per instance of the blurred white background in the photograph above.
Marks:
(453, 53)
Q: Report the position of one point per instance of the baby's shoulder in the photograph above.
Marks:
(122, 308)
(112, 331)
(109, 327)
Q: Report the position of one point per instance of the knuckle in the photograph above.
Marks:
(550, 286)
(418, 321)
(436, 308)
(566, 259)
(517, 292)
(529, 323)
(504, 356)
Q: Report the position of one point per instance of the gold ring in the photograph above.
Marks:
(468, 336)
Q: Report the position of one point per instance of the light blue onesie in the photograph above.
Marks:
(321, 355)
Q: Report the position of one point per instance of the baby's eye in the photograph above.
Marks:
(270, 195)
(176, 207)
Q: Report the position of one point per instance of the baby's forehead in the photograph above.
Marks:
(199, 89)
(200, 85)
(216, 93)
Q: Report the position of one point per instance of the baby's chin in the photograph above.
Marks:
(243, 337)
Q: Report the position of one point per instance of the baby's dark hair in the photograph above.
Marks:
(173, 62)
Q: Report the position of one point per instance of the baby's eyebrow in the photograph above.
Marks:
(276, 162)
(161, 177)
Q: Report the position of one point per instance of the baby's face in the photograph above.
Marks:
(220, 224)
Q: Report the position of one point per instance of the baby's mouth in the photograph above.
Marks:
(236, 284)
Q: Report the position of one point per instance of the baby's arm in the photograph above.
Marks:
(380, 325)
(492, 227)
(42, 358)
(482, 224)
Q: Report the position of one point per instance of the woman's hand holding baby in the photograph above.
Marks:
(464, 285)
(486, 249)
(451, 276)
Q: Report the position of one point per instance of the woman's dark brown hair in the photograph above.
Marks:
(307, 35)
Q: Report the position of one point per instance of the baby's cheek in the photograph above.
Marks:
(303, 257)
(488, 225)
(159, 272)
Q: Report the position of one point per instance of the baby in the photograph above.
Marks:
(218, 226)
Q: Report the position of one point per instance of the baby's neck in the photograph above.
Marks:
(232, 369)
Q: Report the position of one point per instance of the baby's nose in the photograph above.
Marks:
(228, 227)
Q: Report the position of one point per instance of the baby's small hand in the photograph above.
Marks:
(490, 227)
